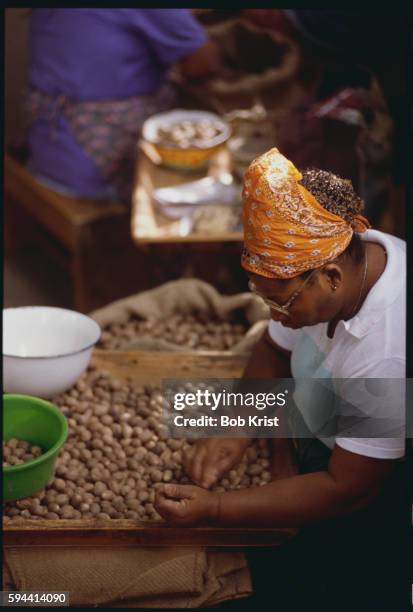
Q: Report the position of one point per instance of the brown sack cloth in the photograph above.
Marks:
(186, 295)
(260, 64)
(122, 577)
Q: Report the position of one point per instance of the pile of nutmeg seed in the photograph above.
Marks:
(17, 452)
(116, 454)
(186, 133)
(194, 331)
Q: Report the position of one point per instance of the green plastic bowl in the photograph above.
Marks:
(40, 423)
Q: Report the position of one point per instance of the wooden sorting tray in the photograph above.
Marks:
(147, 368)
(149, 226)
(130, 534)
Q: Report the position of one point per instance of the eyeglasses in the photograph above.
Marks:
(283, 309)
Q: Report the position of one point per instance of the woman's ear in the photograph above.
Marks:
(333, 276)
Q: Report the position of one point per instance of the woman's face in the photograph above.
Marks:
(315, 303)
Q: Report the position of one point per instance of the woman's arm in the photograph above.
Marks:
(268, 360)
(201, 63)
(208, 460)
(350, 483)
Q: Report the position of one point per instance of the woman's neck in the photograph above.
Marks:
(375, 257)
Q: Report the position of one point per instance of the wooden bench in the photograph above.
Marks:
(90, 239)
(96, 243)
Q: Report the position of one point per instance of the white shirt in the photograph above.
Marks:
(370, 345)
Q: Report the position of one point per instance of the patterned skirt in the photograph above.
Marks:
(107, 130)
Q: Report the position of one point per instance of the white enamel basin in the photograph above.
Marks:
(45, 349)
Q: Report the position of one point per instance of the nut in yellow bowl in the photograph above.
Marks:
(184, 139)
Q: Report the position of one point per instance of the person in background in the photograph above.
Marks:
(95, 75)
(336, 292)
(352, 35)
(349, 48)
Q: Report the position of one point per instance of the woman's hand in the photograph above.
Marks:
(208, 460)
(186, 504)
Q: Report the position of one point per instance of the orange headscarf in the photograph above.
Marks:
(286, 231)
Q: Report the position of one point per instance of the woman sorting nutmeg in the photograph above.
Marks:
(336, 292)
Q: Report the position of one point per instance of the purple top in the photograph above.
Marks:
(98, 54)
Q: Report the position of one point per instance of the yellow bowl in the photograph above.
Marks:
(191, 158)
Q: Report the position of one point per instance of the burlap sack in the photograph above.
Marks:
(186, 296)
(130, 578)
(259, 63)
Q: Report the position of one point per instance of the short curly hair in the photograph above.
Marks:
(338, 196)
(334, 193)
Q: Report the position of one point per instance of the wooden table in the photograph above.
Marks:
(147, 368)
(148, 224)
(89, 240)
